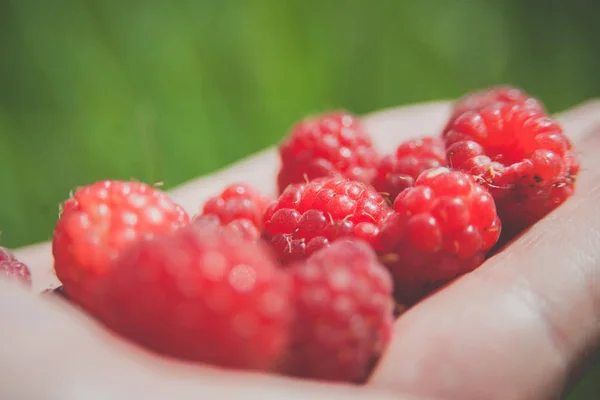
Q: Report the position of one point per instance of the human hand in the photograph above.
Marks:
(519, 327)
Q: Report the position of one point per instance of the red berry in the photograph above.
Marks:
(13, 269)
(99, 222)
(443, 227)
(332, 144)
(309, 216)
(343, 313)
(238, 204)
(398, 171)
(521, 155)
(202, 295)
(479, 99)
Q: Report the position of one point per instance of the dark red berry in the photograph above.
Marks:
(443, 227)
(519, 154)
(309, 216)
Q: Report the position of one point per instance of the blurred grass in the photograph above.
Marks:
(169, 90)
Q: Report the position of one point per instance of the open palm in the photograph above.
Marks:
(522, 326)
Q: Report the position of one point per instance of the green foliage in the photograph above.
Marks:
(169, 90)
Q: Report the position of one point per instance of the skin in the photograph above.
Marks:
(522, 326)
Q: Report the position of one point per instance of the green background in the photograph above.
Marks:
(169, 90)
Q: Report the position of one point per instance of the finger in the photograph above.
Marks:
(70, 357)
(388, 127)
(516, 327)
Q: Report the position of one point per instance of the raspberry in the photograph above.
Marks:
(199, 294)
(477, 100)
(239, 204)
(398, 171)
(343, 313)
(521, 155)
(13, 269)
(309, 216)
(443, 227)
(101, 220)
(332, 144)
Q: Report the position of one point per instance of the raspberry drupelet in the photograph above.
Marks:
(398, 171)
(521, 155)
(309, 216)
(443, 227)
(330, 144)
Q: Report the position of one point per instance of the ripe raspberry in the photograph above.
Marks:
(309, 216)
(13, 269)
(332, 144)
(240, 204)
(443, 227)
(521, 155)
(398, 171)
(343, 313)
(100, 221)
(479, 99)
(202, 295)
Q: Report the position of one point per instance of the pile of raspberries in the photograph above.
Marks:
(307, 284)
